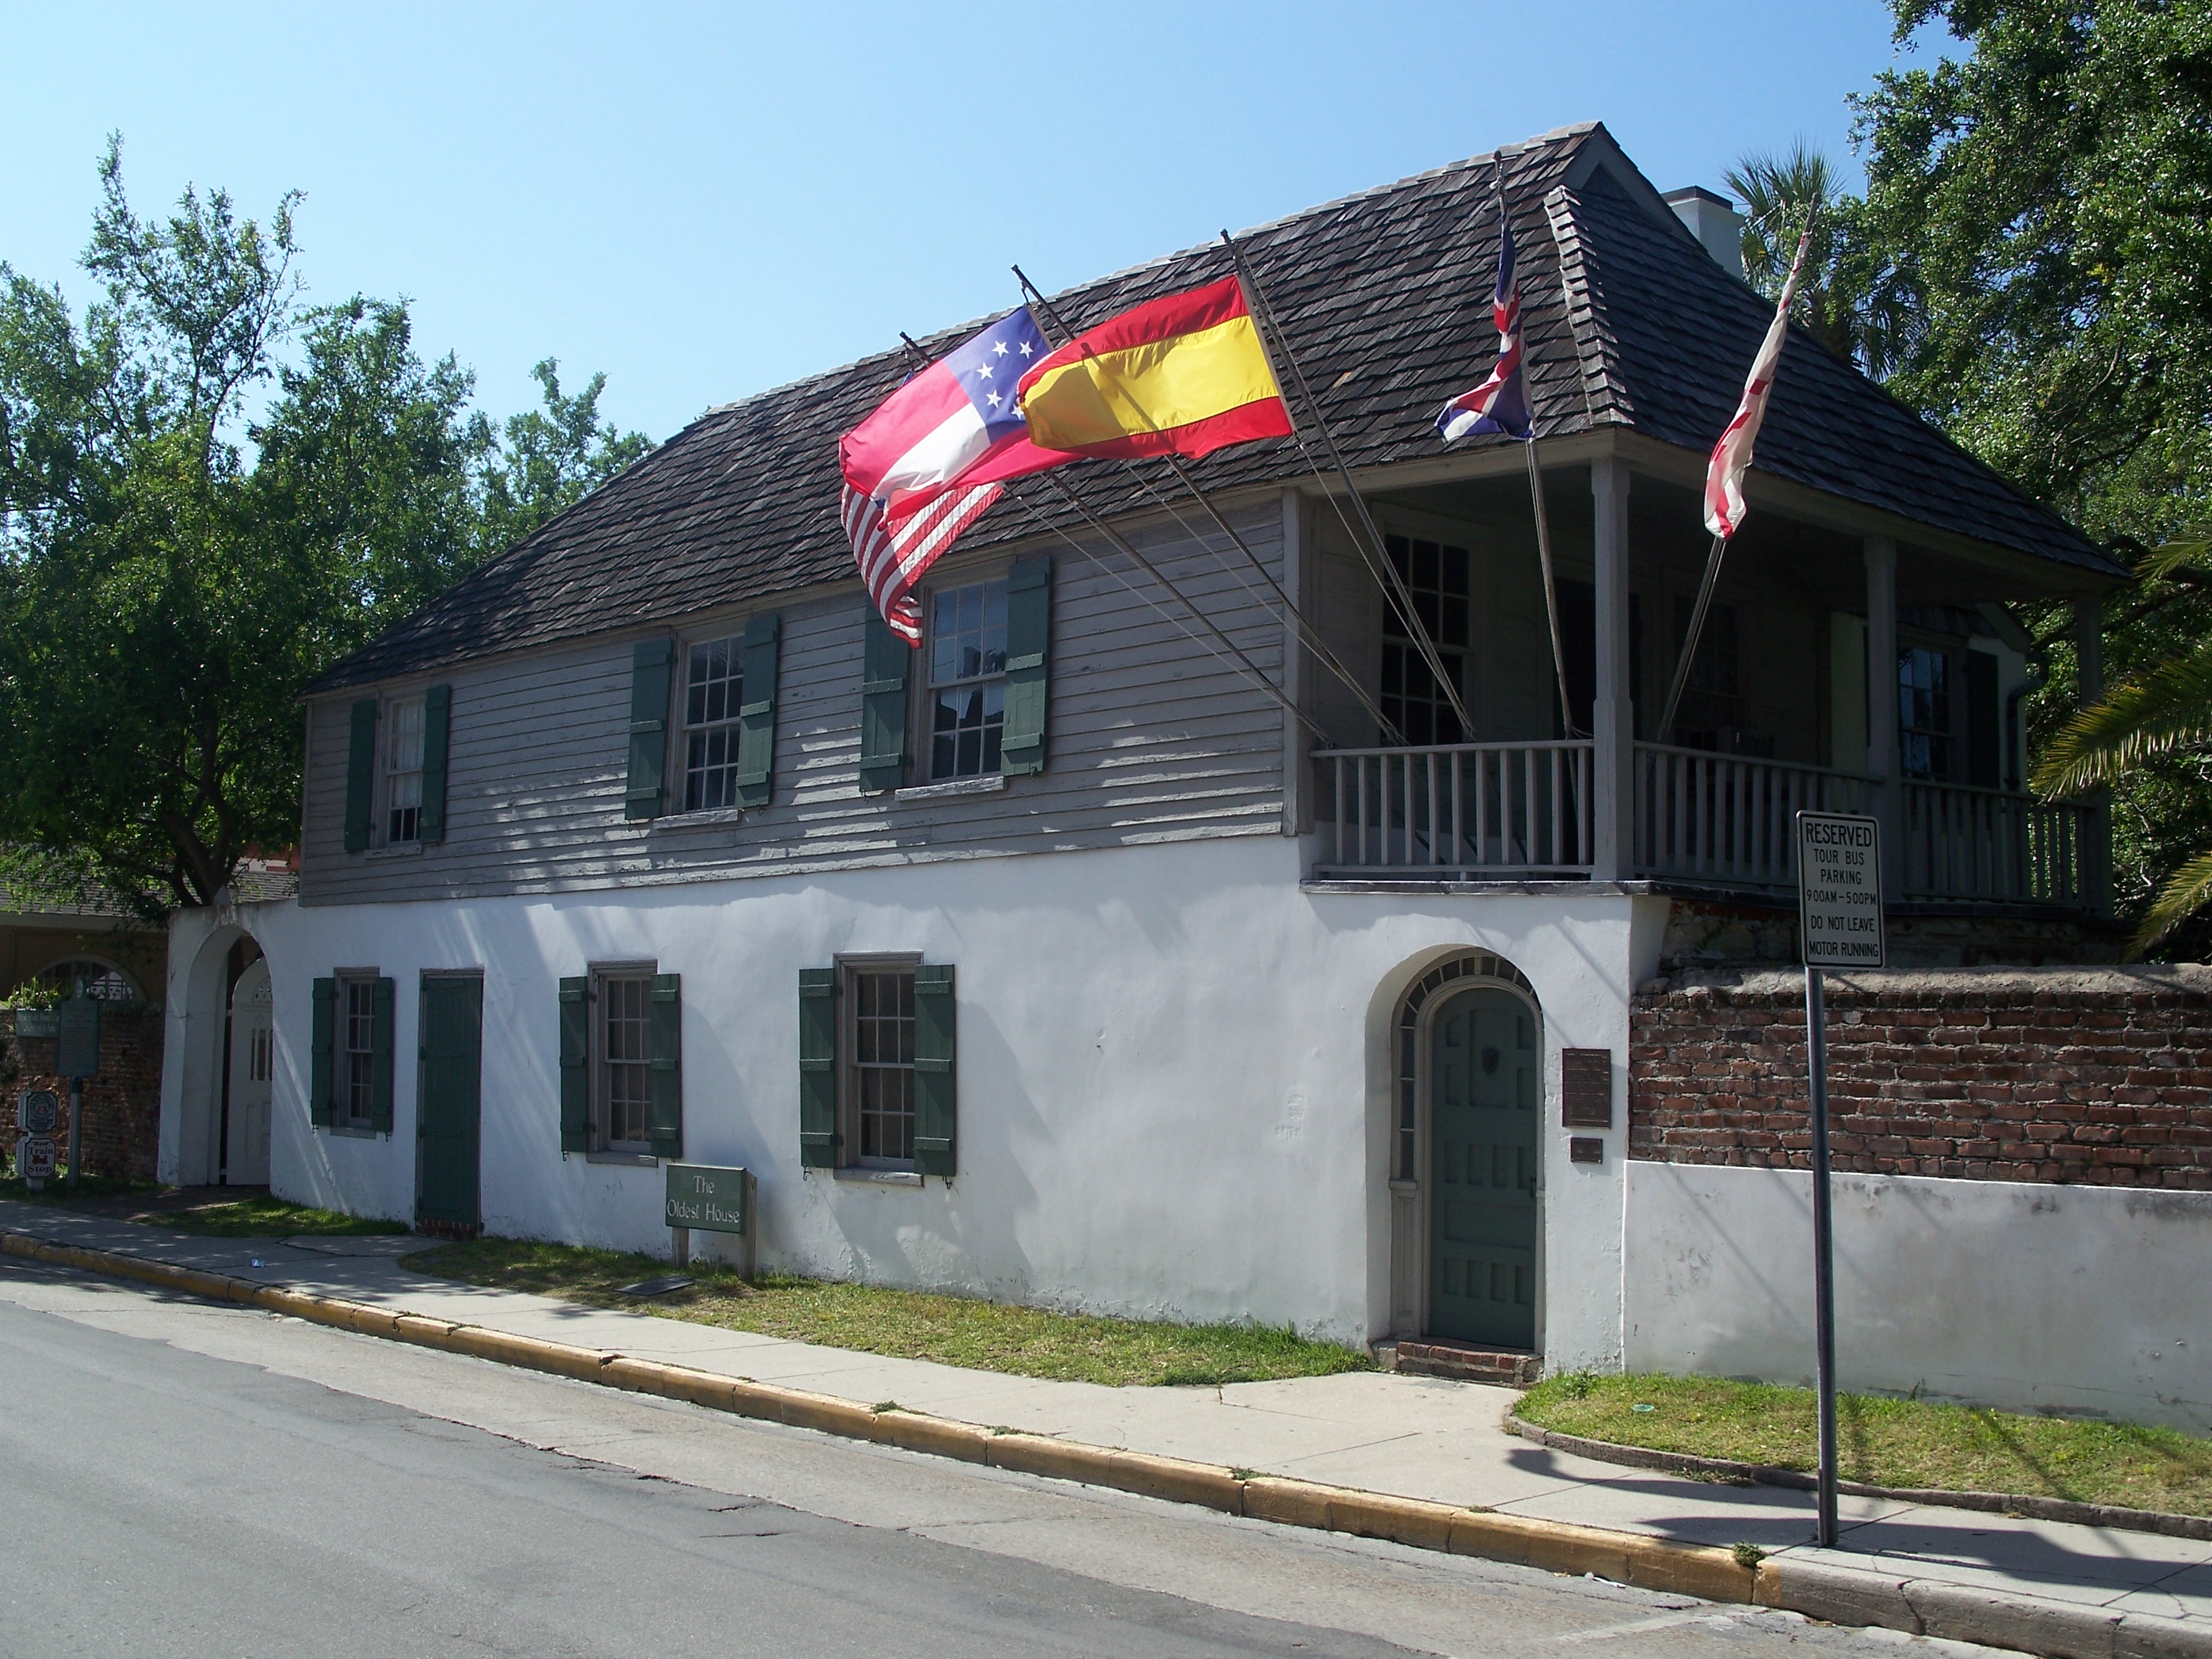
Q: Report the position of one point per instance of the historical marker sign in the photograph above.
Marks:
(77, 1037)
(1839, 891)
(705, 1199)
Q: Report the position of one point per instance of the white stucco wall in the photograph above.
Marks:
(2077, 1299)
(1173, 1072)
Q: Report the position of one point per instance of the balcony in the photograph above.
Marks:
(1520, 811)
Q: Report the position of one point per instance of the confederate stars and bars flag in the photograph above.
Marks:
(932, 457)
(1500, 404)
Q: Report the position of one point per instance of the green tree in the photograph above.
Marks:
(1782, 194)
(2156, 725)
(172, 570)
(554, 458)
(2033, 269)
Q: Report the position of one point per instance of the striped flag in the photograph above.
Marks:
(1500, 404)
(1724, 507)
(932, 457)
(893, 557)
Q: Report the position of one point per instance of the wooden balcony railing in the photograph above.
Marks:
(1963, 843)
(1456, 812)
(1730, 818)
(1483, 811)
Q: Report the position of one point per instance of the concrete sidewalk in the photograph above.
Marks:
(1404, 1436)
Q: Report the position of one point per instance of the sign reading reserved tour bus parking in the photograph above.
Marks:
(1839, 891)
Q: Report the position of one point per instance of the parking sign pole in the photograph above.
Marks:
(1839, 925)
(1824, 1251)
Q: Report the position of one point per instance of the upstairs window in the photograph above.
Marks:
(1923, 712)
(1439, 577)
(967, 679)
(403, 771)
(714, 691)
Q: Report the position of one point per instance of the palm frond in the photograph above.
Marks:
(2184, 894)
(2166, 709)
(2192, 547)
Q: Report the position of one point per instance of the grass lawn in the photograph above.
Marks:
(253, 1213)
(952, 1330)
(1885, 1442)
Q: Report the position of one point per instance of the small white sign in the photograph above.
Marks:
(34, 1160)
(1839, 891)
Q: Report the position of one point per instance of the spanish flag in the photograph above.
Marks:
(1184, 375)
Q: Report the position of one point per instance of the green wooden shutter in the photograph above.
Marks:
(437, 716)
(756, 715)
(1028, 652)
(666, 1034)
(817, 1067)
(936, 1092)
(576, 1065)
(648, 726)
(322, 1068)
(379, 1057)
(1985, 722)
(360, 775)
(886, 659)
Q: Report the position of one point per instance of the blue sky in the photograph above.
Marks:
(707, 201)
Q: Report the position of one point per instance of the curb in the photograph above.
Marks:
(2196, 1527)
(1838, 1595)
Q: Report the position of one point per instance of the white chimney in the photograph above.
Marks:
(1712, 221)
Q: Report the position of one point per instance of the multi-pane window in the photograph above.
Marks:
(403, 771)
(714, 691)
(1438, 577)
(625, 1068)
(883, 1065)
(967, 678)
(357, 1055)
(1923, 712)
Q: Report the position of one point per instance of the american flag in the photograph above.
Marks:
(1500, 404)
(893, 557)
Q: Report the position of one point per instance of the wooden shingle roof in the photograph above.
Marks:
(1385, 298)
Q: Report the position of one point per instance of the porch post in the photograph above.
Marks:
(1613, 714)
(1881, 705)
(2089, 679)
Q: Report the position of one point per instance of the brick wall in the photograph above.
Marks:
(122, 1105)
(2101, 1075)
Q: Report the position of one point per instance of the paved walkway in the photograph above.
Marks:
(1409, 1436)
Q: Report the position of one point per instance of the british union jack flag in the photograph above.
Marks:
(1500, 404)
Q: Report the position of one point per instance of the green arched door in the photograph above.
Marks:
(1482, 1170)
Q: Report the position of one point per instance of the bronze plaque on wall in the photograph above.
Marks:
(1586, 1088)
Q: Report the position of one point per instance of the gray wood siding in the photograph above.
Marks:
(1150, 738)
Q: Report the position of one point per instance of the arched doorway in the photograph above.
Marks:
(252, 1080)
(1466, 1193)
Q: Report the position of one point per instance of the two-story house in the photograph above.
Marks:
(1071, 958)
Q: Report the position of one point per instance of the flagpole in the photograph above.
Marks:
(1378, 561)
(1705, 588)
(1551, 584)
(1750, 410)
(1306, 629)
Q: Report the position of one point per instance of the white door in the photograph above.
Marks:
(252, 1066)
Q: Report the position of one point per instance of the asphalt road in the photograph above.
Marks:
(181, 1480)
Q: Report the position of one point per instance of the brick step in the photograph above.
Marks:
(1465, 1362)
